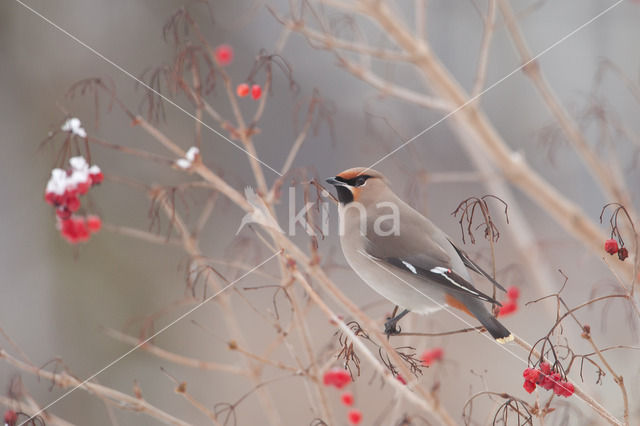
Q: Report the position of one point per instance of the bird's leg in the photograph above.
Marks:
(390, 326)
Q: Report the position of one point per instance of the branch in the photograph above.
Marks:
(123, 400)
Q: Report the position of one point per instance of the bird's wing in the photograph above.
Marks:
(432, 265)
(445, 277)
(475, 267)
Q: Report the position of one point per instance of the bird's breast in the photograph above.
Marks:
(397, 286)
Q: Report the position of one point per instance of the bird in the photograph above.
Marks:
(404, 256)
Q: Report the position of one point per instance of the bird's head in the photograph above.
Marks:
(359, 184)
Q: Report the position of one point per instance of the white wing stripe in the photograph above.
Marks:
(445, 273)
(410, 267)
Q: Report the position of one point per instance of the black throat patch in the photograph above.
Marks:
(344, 195)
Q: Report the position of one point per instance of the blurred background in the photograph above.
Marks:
(57, 297)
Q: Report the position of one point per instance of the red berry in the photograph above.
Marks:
(50, 198)
(568, 389)
(337, 377)
(75, 229)
(623, 253)
(256, 91)
(63, 213)
(355, 416)
(513, 293)
(10, 418)
(508, 308)
(242, 90)
(94, 223)
(73, 203)
(429, 357)
(82, 230)
(611, 246)
(529, 386)
(531, 374)
(545, 368)
(96, 178)
(224, 54)
(83, 187)
(401, 379)
(347, 398)
(68, 230)
(550, 381)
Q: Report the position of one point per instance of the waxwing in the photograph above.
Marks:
(403, 256)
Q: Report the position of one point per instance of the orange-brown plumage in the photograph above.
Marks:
(352, 173)
(455, 303)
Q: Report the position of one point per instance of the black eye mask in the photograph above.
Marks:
(345, 196)
(356, 181)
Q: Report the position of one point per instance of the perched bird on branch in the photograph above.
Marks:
(405, 257)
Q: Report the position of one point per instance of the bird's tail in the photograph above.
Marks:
(493, 326)
(476, 308)
(497, 330)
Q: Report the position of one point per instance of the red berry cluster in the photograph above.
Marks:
(611, 247)
(340, 378)
(78, 229)
(63, 191)
(547, 379)
(430, 356)
(510, 306)
(243, 90)
(336, 377)
(224, 56)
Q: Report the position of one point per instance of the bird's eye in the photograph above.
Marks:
(360, 180)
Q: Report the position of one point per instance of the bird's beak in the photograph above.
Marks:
(335, 182)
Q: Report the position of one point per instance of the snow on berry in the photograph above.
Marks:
(355, 416)
(224, 54)
(192, 153)
(95, 175)
(64, 186)
(242, 90)
(74, 126)
(189, 158)
(611, 246)
(347, 399)
(337, 377)
(256, 91)
(63, 191)
(430, 356)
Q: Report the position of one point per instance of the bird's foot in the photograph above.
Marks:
(391, 327)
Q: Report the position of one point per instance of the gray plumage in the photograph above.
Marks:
(418, 267)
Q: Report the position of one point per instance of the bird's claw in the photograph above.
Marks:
(391, 328)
